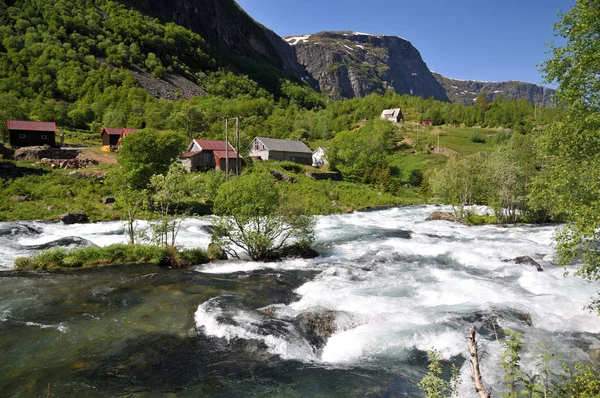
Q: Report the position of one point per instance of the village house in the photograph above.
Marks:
(124, 133)
(110, 138)
(204, 155)
(275, 149)
(25, 133)
(318, 158)
(393, 115)
(427, 123)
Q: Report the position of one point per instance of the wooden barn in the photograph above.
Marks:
(110, 137)
(275, 149)
(204, 155)
(393, 115)
(25, 133)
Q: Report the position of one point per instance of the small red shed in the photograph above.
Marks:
(26, 133)
(110, 136)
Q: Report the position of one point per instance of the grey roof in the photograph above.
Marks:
(274, 144)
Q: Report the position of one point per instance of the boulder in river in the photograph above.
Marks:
(69, 242)
(12, 228)
(76, 217)
(526, 260)
(445, 216)
(299, 251)
(318, 324)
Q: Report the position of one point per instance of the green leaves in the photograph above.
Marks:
(253, 218)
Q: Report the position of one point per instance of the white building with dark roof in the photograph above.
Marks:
(276, 149)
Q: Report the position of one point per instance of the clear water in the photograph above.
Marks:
(399, 286)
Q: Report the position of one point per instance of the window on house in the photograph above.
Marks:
(21, 135)
(44, 137)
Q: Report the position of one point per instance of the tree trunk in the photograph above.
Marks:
(479, 387)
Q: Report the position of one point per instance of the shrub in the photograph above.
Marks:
(415, 178)
(113, 254)
(478, 138)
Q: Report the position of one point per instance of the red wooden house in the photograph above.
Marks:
(26, 133)
(208, 154)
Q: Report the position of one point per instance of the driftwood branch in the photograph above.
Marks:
(479, 387)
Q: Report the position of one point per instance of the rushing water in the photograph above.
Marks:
(397, 286)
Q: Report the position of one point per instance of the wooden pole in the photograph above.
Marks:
(479, 387)
(237, 145)
(226, 148)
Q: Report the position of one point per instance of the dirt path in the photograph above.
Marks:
(100, 156)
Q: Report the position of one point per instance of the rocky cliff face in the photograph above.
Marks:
(352, 64)
(466, 91)
(228, 29)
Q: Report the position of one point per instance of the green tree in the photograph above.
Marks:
(252, 218)
(433, 385)
(569, 181)
(146, 153)
(128, 199)
(167, 192)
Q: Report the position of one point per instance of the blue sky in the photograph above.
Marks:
(464, 39)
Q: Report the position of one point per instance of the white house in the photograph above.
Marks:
(319, 157)
(394, 115)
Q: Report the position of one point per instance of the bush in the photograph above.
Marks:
(478, 138)
(113, 254)
(415, 178)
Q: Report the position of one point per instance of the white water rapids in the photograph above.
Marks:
(398, 284)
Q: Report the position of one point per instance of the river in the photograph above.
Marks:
(396, 285)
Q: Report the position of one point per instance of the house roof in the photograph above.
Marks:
(222, 155)
(127, 131)
(31, 126)
(211, 145)
(274, 144)
(391, 112)
(111, 130)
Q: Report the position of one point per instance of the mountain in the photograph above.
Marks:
(353, 64)
(466, 91)
(233, 35)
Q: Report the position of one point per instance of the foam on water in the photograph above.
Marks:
(423, 292)
(191, 235)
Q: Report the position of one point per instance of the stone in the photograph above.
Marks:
(526, 260)
(318, 175)
(19, 198)
(41, 152)
(107, 201)
(76, 217)
(66, 242)
(317, 326)
(445, 216)
(299, 251)
(282, 176)
(70, 193)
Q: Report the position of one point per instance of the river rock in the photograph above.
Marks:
(526, 260)
(445, 216)
(207, 228)
(316, 325)
(66, 242)
(299, 251)
(18, 229)
(76, 217)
